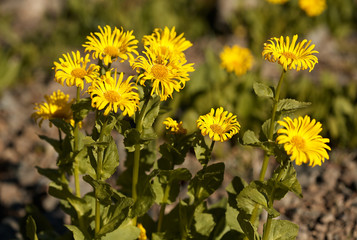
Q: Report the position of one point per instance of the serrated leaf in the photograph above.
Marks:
(291, 104)
(282, 230)
(262, 90)
(56, 144)
(288, 182)
(152, 111)
(249, 138)
(249, 230)
(131, 138)
(31, 228)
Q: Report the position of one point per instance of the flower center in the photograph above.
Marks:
(298, 142)
(217, 128)
(79, 73)
(111, 51)
(159, 71)
(289, 55)
(112, 96)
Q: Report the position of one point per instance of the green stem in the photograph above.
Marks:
(270, 218)
(163, 206)
(99, 175)
(270, 138)
(76, 149)
(139, 127)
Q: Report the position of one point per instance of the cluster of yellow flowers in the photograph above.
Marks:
(311, 7)
(163, 65)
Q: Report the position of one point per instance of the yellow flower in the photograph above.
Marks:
(288, 55)
(313, 7)
(166, 42)
(277, 1)
(112, 93)
(174, 126)
(219, 126)
(166, 75)
(302, 141)
(236, 59)
(56, 106)
(142, 235)
(74, 70)
(109, 46)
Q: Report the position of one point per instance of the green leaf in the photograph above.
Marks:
(249, 230)
(77, 234)
(204, 223)
(56, 144)
(202, 151)
(115, 215)
(249, 138)
(81, 109)
(288, 182)
(31, 228)
(262, 90)
(110, 160)
(256, 192)
(146, 195)
(173, 178)
(63, 125)
(152, 111)
(291, 105)
(53, 174)
(131, 137)
(282, 230)
(127, 232)
(103, 191)
(206, 181)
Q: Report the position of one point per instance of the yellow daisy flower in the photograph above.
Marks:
(166, 42)
(236, 59)
(56, 106)
(166, 75)
(302, 141)
(108, 45)
(142, 235)
(288, 55)
(73, 70)
(313, 7)
(277, 1)
(112, 93)
(174, 127)
(219, 126)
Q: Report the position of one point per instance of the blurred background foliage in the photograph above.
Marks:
(35, 33)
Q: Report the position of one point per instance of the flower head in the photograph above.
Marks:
(302, 141)
(236, 59)
(277, 1)
(220, 125)
(112, 93)
(166, 42)
(313, 7)
(108, 45)
(174, 127)
(166, 75)
(142, 235)
(56, 106)
(289, 55)
(74, 70)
